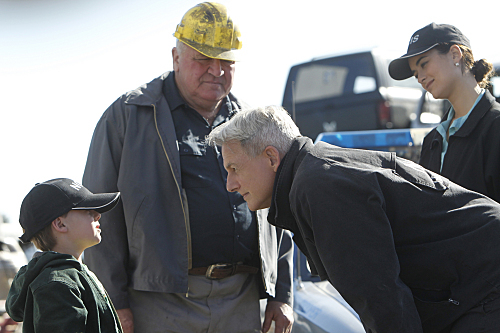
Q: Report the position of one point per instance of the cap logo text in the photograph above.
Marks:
(76, 186)
(414, 39)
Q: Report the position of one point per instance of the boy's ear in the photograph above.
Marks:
(58, 225)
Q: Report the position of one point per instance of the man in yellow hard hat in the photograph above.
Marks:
(180, 253)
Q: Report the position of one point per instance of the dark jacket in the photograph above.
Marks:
(473, 156)
(147, 244)
(408, 250)
(56, 293)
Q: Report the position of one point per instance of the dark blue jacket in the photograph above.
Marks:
(409, 250)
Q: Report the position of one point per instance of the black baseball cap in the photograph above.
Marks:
(48, 200)
(422, 41)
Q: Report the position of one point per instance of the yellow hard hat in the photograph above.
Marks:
(209, 30)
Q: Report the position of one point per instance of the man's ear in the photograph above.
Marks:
(175, 58)
(274, 157)
(58, 225)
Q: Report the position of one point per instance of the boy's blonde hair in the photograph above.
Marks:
(44, 240)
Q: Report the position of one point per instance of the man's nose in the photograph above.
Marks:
(231, 185)
(215, 68)
(97, 216)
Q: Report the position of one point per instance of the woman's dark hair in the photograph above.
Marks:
(481, 69)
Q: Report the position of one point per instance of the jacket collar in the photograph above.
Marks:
(147, 94)
(280, 213)
(150, 93)
(482, 107)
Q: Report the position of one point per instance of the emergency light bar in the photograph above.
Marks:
(376, 139)
(405, 142)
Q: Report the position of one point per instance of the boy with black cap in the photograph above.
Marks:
(56, 292)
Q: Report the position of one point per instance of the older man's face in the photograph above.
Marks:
(254, 177)
(202, 80)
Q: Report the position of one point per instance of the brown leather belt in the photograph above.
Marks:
(221, 271)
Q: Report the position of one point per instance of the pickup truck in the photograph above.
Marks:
(349, 92)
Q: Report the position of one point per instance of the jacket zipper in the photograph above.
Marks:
(186, 222)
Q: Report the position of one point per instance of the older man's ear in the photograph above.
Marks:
(274, 157)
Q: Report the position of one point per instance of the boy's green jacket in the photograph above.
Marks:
(57, 293)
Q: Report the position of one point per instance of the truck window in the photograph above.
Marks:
(320, 81)
(335, 77)
(364, 84)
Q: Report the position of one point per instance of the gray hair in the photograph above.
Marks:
(257, 128)
(180, 46)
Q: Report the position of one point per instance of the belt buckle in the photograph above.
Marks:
(211, 268)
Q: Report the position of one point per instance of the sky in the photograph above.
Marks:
(63, 62)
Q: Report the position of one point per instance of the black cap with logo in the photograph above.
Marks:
(422, 41)
(53, 198)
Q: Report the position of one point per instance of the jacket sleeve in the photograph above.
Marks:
(347, 224)
(59, 308)
(284, 286)
(276, 249)
(109, 259)
(492, 160)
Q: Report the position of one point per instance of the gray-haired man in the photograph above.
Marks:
(408, 249)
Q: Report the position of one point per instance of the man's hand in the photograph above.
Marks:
(282, 314)
(126, 319)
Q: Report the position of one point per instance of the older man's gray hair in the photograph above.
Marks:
(257, 128)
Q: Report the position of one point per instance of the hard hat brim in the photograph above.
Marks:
(213, 52)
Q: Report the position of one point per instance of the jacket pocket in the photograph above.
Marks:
(194, 155)
(138, 224)
(431, 296)
(435, 316)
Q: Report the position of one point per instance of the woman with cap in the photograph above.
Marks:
(464, 146)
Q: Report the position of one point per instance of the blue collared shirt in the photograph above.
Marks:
(454, 127)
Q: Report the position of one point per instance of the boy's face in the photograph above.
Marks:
(83, 227)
